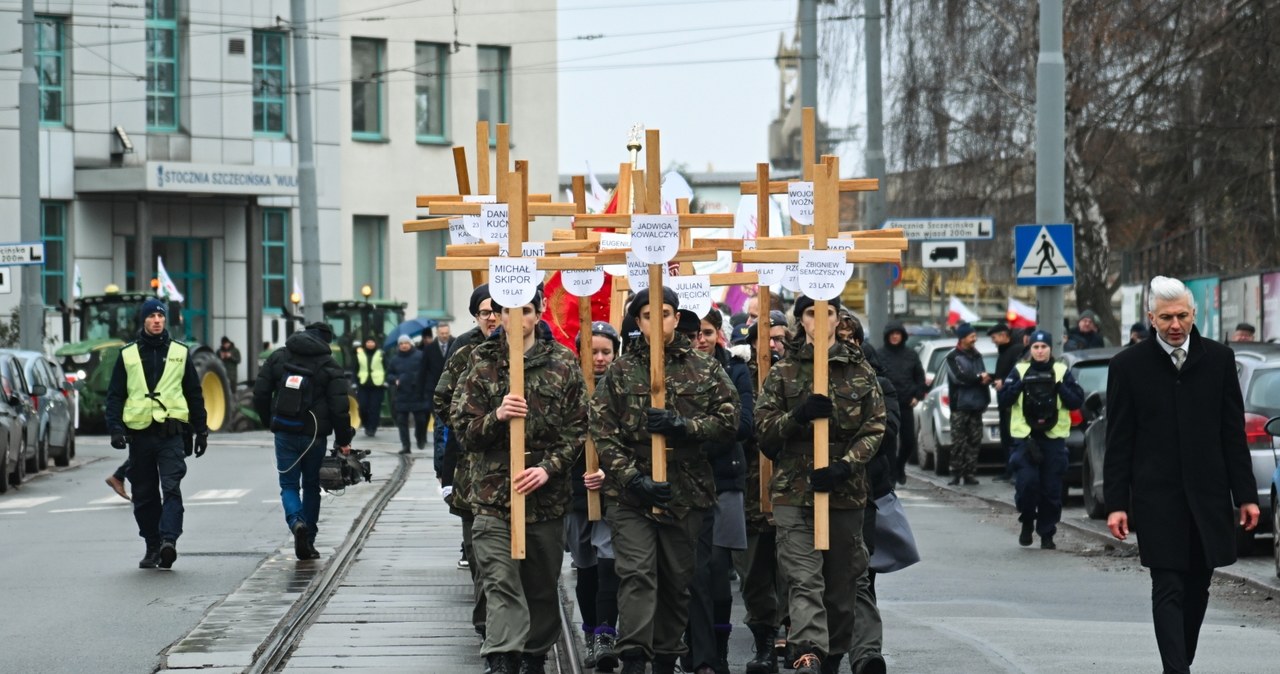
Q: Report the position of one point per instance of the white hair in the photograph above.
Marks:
(1164, 288)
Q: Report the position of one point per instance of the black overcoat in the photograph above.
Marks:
(1176, 450)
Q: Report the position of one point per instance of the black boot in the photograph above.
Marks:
(722, 648)
(503, 663)
(151, 560)
(664, 664)
(872, 665)
(765, 660)
(1024, 538)
(831, 664)
(1046, 543)
(606, 640)
(633, 662)
(533, 664)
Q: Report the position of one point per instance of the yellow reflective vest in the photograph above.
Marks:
(379, 373)
(142, 407)
(1018, 426)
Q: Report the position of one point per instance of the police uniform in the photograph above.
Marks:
(1039, 458)
(821, 584)
(154, 398)
(522, 602)
(371, 379)
(655, 552)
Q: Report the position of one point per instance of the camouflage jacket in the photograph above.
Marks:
(555, 427)
(454, 370)
(856, 426)
(698, 390)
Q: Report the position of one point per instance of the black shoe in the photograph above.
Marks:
(633, 662)
(872, 665)
(954, 481)
(368, 433)
(1024, 538)
(1046, 543)
(168, 553)
(831, 664)
(970, 480)
(533, 664)
(151, 560)
(665, 664)
(808, 663)
(422, 444)
(312, 552)
(765, 660)
(606, 649)
(301, 542)
(504, 663)
(902, 478)
(405, 450)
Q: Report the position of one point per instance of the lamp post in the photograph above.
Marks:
(295, 299)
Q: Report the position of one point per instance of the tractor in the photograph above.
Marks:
(107, 323)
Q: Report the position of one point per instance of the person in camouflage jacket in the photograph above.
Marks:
(523, 619)
(655, 552)
(821, 584)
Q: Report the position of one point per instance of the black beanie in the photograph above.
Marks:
(480, 294)
(641, 301)
(803, 302)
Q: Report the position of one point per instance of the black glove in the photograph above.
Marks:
(667, 423)
(202, 443)
(649, 492)
(118, 441)
(814, 406)
(826, 479)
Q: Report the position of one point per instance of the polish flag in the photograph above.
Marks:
(1020, 315)
(957, 312)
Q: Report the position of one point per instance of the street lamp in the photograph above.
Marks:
(366, 290)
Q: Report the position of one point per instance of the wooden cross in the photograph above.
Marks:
(827, 188)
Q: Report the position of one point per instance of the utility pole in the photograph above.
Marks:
(809, 61)
(1051, 112)
(31, 304)
(310, 224)
(877, 275)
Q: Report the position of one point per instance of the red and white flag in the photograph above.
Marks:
(957, 312)
(1020, 315)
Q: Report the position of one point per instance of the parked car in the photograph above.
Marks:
(1258, 367)
(1089, 368)
(933, 421)
(933, 351)
(917, 333)
(1272, 428)
(15, 410)
(55, 412)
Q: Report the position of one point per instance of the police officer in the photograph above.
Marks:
(371, 379)
(522, 614)
(154, 402)
(821, 584)
(655, 552)
(302, 390)
(1039, 392)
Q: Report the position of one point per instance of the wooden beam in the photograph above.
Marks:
(619, 256)
(544, 263)
(428, 225)
(738, 278)
(623, 220)
(492, 249)
(780, 186)
(789, 256)
(460, 170)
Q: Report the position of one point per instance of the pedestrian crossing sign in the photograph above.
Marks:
(1045, 255)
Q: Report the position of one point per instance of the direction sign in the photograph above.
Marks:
(944, 229)
(942, 254)
(29, 252)
(1045, 255)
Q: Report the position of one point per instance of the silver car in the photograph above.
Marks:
(933, 421)
(54, 433)
(16, 455)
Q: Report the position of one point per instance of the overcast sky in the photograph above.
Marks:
(701, 71)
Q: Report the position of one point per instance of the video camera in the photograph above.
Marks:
(338, 470)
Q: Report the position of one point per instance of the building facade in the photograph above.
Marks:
(169, 130)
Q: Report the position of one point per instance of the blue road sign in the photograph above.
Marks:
(1045, 255)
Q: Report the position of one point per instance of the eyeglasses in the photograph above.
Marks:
(486, 313)
(778, 340)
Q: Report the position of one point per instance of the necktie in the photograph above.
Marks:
(1179, 355)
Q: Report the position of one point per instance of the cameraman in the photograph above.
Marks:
(302, 390)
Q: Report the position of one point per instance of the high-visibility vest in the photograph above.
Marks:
(379, 372)
(142, 407)
(1018, 426)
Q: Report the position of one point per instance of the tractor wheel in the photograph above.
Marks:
(214, 385)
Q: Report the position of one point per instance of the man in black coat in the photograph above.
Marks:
(433, 357)
(1010, 354)
(1176, 459)
(901, 365)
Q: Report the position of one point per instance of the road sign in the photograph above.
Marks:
(945, 229)
(1045, 255)
(30, 252)
(6, 280)
(942, 254)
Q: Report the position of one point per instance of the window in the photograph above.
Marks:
(270, 79)
(431, 62)
(53, 231)
(366, 88)
(368, 247)
(494, 89)
(275, 258)
(50, 69)
(162, 66)
(433, 286)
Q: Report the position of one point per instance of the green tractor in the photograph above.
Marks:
(352, 321)
(107, 323)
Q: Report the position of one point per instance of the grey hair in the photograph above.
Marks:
(1164, 288)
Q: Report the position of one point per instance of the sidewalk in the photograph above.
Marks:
(1257, 571)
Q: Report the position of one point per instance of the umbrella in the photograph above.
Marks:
(412, 327)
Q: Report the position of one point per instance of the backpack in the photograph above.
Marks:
(1040, 399)
(294, 400)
